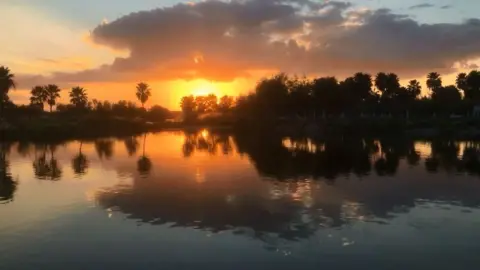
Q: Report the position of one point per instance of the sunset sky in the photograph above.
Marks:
(224, 47)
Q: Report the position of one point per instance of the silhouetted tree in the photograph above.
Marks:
(211, 103)
(299, 95)
(446, 98)
(7, 82)
(158, 113)
(53, 93)
(363, 83)
(272, 94)
(356, 90)
(226, 103)
(38, 96)
(326, 95)
(387, 84)
(381, 82)
(470, 85)
(143, 93)
(414, 88)
(189, 107)
(78, 97)
(461, 83)
(434, 81)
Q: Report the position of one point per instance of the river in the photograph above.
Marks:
(176, 200)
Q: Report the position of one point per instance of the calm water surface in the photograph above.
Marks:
(183, 201)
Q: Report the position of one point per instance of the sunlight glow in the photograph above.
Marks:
(203, 88)
(205, 133)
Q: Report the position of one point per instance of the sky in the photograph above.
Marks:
(224, 47)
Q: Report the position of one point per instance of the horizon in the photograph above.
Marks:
(224, 48)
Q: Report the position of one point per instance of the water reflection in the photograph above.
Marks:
(131, 144)
(8, 185)
(47, 168)
(297, 197)
(205, 141)
(298, 186)
(80, 162)
(104, 148)
(144, 164)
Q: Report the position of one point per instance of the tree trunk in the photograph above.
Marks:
(50, 108)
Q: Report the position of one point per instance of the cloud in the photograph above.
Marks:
(243, 37)
(446, 7)
(423, 5)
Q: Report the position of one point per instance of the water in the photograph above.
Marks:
(181, 201)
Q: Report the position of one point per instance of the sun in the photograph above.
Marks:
(203, 88)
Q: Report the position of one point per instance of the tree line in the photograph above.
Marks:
(284, 95)
(360, 94)
(194, 106)
(49, 95)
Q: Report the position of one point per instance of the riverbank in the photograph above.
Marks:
(428, 128)
(58, 128)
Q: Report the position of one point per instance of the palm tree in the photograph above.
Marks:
(78, 97)
(434, 81)
(363, 83)
(461, 82)
(470, 85)
(143, 93)
(381, 82)
(414, 88)
(38, 96)
(6, 83)
(53, 93)
(387, 84)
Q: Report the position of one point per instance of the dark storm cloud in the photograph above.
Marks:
(423, 5)
(237, 37)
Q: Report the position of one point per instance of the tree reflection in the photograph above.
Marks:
(304, 185)
(47, 169)
(144, 164)
(8, 185)
(131, 144)
(470, 161)
(104, 148)
(23, 148)
(80, 162)
(207, 142)
(211, 210)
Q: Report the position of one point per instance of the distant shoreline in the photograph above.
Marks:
(462, 128)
